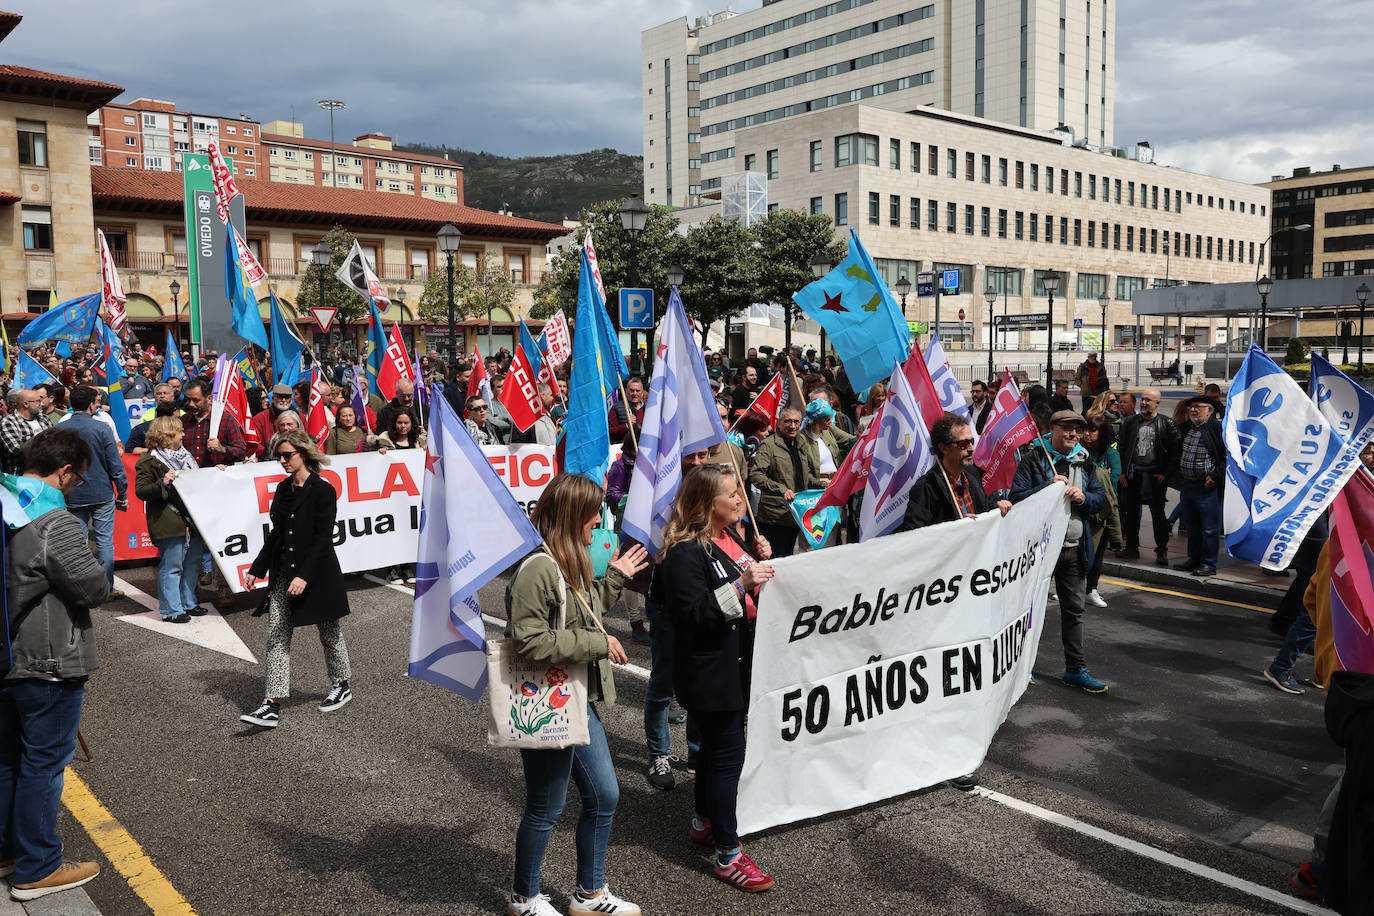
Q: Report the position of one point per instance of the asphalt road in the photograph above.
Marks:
(395, 804)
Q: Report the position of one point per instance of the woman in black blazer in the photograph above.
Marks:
(306, 584)
(707, 579)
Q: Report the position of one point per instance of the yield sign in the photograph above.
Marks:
(324, 317)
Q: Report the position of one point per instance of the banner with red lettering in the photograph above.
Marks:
(378, 519)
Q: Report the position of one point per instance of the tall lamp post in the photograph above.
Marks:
(1362, 294)
(449, 238)
(1264, 285)
(821, 265)
(1051, 283)
(331, 106)
(1103, 300)
(634, 216)
(990, 297)
(321, 255)
(175, 289)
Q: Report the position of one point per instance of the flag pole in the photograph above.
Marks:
(958, 506)
(629, 416)
(734, 463)
(796, 384)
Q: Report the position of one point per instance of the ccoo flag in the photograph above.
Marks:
(1284, 463)
(471, 529)
(680, 418)
(520, 395)
(1347, 406)
(857, 310)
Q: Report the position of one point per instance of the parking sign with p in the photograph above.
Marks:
(637, 309)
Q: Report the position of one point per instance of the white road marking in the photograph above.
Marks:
(636, 670)
(1158, 855)
(1044, 814)
(210, 632)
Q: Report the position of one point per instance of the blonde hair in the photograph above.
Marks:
(560, 515)
(1099, 405)
(691, 519)
(162, 432)
(310, 452)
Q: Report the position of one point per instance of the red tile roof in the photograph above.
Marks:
(300, 204)
(6, 198)
(7, 23)
(28, 83)
(288, 140)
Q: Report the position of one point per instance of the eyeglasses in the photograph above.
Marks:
(962, 443)
(284, 457)
(80, 478)
(1070, 431)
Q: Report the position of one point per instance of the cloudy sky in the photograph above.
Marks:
(1239, 88)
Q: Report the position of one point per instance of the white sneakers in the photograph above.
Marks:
(535, 906)
(1096, 600)
(605, 902)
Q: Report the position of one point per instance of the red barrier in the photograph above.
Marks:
(131, 541)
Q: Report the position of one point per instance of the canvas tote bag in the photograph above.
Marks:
(534, 706)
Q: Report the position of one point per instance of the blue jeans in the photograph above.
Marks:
(1301, 634)
(546, 788)
(659, 692)
(99, 516)
(178, 566)
(38, 722)
(1202, 517)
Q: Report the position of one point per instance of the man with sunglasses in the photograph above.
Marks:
(1072, 465)
(479, 422)
(953, 488)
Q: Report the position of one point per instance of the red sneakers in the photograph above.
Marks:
(703, 836)
(743, 874)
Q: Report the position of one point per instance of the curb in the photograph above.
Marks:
(1267, 598)
(75, 902)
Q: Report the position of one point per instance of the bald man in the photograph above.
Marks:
(1149, 448)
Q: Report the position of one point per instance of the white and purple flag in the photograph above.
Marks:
(901, 453)
(680, 418)
(471, 529)
(946, 385)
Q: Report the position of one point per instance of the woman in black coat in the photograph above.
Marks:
(707, 580)
(306, 584)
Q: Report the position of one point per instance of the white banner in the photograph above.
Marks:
(378, 518)
(885, 667)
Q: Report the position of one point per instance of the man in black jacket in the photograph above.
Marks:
(951, 489)
(1201, 465)
(1148, 444)
(981, 408)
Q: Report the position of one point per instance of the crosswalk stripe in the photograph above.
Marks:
(209, 632)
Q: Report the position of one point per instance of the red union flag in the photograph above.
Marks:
(223, 179)
(596, 268)
(316, 425)
(395, 364)
(253, 271)
(112, 291)
(520, 395)
(1008, 428)
(558, 339)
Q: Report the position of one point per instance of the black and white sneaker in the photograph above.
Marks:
(604, 902)
(267, 715)
(661, 774)
(338, 695)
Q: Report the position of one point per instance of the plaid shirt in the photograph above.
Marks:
(960, 489)
(198, 434)
(1194, 463)
(14, 432)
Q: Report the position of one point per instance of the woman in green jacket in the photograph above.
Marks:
(179, 547)
(544, 589)
(1100, 442)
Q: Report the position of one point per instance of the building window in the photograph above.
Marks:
(894, 210)
(1092, 187)
(951, 163)
(894, 154)
(855, 149)
(915, 215)
(816, 207)
(1063, 231)
(770, 159)
(1078, 232)
(1020, 224)
(1002, 172)
(37, 228)
(968, 166)
(933, 160)
(873, 208)
(951, 216)
(1035, 177)
(131, 141)
(1001, 224)
(1034, 228)
(1020, 174)
(985, 223)
(815, 155)
(932, 215)
(1092, 234)
(1117, 184)
(1126, 287)
(290, 155)
(1077, 184)
(915, 155)
(1090, 286)
(33, 143)
(749, 160)
(968, 219)
(987, 170)
(1038, 285)
(131, 161)
(841, 209)
(1064, 183)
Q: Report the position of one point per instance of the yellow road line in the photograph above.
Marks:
(1165, 591)
(123, 851)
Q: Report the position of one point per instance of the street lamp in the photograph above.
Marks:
(1362, 294)
(1264, 285)
(990, 297)
(1103, 300)
(634, 216)
(821, 265)
(321, 255)
(449, 238)
(175, 289)
(675, 276)
(903, 287)
(1051, 283)
(331, 106)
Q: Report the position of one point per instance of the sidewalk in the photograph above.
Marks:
(66, 903)
(1235, 580)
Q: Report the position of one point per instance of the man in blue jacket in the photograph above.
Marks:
(1072, 466)
(1201, 467)
(105, 486)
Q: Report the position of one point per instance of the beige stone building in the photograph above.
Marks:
(144, 211)
(1339, 206)
(371, 163)
(1040, 64)
(935, 191)
(46, 236)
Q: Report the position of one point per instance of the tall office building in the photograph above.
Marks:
(1030, 63)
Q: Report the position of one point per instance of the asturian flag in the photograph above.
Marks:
(246, 319)
(357, 274)
(286, 346)
(375, 348)
(946, 385)
(1009, 427)
(71, 322)
(1285, 463)
(680, 418)
(119, 411)
(172, 364)
(902, 452)
(587, 438)
(471, 529)
(29, 372)
(223, 179)
(111, 290)
(855, 307)
(1347, 406)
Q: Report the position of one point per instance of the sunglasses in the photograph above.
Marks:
(478, 407)
(286, 456)
(962, 443)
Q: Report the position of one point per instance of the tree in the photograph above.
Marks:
(789, 240)
(352, 307)
(720, 265)
(474, 296)
(558, 289)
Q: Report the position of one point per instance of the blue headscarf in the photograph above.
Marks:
(817, 409)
